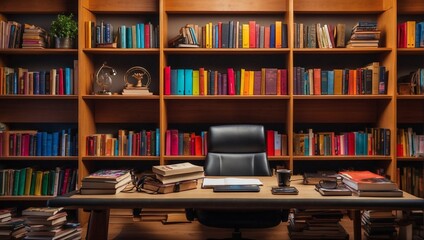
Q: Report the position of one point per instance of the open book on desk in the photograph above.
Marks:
(228, 181)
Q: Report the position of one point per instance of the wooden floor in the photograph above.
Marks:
(155, 230)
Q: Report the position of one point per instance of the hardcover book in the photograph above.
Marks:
(339, 191)
(108, 175)
(178, 168)
(153, 186)
(366, 180)
(180, 177)
(41, 211)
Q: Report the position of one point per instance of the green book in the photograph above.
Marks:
(16, 177)
(52, 179)
(45, 183)
(32, 187)
(22, 177)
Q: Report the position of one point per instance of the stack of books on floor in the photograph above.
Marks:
(316, 224)
(174, 177)
(369, 184)
(11, 227)
(49, 223)
(379, 225)
(364, 34)
(106, 181)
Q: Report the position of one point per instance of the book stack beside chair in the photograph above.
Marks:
(172, 178)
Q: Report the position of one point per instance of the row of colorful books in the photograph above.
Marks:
(276, 143)
(36, 182)
(139, 35)
(126, 143)
(185, 143)
(371, 79)
(235, 34)
(410, 144)
(38, 143)
(11, 34)
(267, 81)
(410, 34)
(319, 35)
(369, 142)
(56, 81)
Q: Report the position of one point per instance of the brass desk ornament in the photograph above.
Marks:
(104, 79)
(141, 86)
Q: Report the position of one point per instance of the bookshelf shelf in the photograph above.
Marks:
(120, 158)
(21, 199)
(51, 51)
(341, 50)
(339, 158)
(226, 97)
(226, 51)
(342, 97)
(40, 158)
(121, 51)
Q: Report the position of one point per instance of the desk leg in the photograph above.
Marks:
(98, 224)
(357, 232)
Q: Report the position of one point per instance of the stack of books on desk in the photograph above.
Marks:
(49, 223)
(316, 224)
(379, 224)
(369, 184)
(106, 181)
(174, 177)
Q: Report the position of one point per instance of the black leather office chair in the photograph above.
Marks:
(237, 150)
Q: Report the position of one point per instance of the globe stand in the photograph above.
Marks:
(104, 79)
(143, 79)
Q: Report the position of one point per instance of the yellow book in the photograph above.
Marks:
(242, 81)
(209, 35)
(338, 79)
(251, 82)
(38, 181)
(245, 35)
(196, 83)
(28, 180)
(410, 31)
(278, 29)
(53, 73)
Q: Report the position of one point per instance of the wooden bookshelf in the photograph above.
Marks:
(286, 113)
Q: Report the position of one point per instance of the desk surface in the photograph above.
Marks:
(206, 198)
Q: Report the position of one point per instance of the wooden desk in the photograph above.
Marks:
(308, 198)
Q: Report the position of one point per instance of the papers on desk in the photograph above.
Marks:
(211, 182)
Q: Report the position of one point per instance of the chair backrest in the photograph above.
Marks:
(237, 150)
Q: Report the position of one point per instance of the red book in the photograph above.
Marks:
(219, 34)
(231, 82)
(257, 81)
(202, 81)
(366, 180)
(266, 37)
(270, 143)
(61, 82)
(147, 35)
(174, 142)
(148, 143)
(167, 80)
(168, 142)
(198, 146)
(252, 34)
(317, 81)
(65, 181)
(351, 143)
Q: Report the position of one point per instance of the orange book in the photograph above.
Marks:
(278, 30)
(352, 80)
(279, 82)
(366, 180)
(410, 34)
(317, 81)
(338, 81)
(246, 81)
(266, 36)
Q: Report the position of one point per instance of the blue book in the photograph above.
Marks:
(129, 143)
(188, 81)
(137, 35)
(123, 33)
(306, 87)
(216, 36)
(36, 83)
(419, 38)
(180, 81)
(42, 82)
(142, 40)
(272, 35)
(324, 82)
(44, 144)
(55, 144)
(174, 81)
(211, 79)
(108, 33)
(143, 141)
(129, 37)
(15, 88)
(39, 143)
(68, 85)
(231, 35)
(157, 141)
(330, 77)
(180, 143)
(49, 144)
